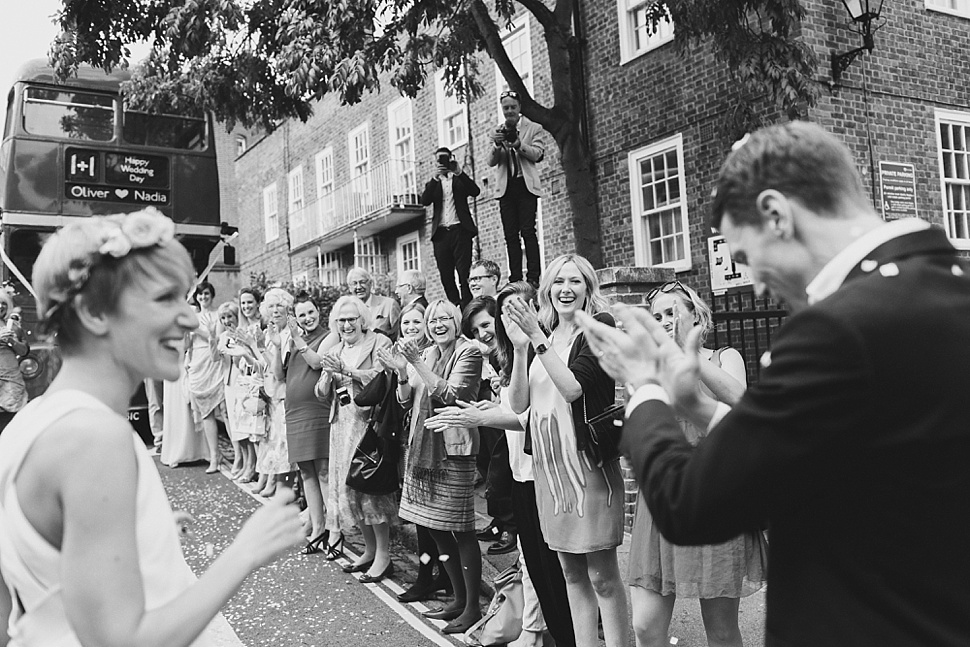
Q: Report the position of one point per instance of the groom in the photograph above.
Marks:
(855, 445)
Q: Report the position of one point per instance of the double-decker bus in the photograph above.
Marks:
(72, 150)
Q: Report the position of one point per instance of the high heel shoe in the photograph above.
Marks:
(313, 545)
(425, 590)
(372, 579)
(459, 626)
(336, 549)
(443, 614)
(357, 568)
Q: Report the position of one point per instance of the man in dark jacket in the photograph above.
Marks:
(452, 227)
(853, 446)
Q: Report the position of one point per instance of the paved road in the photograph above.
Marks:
(306, 600)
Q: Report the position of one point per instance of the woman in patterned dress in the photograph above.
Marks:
(580, 503)
(719, 575)
(350, 365)
(439, 477)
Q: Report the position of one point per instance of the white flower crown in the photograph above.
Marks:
(116, 237)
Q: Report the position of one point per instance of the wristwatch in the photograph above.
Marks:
(541, 348)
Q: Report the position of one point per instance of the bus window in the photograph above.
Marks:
(8, 123)
(165, 131)
(67, 114)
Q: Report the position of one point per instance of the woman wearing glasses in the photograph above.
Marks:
(439, 477)
(659, 571)
(346, 370)
(580, 502)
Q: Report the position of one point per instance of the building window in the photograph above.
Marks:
(659, 206)
(295, 197)
(452, 116)
(637, 36)
(325, 185)
(518, 45)
(401, 137)
(271, 219)
(953, 140)
(300, 279)
(241, 144)
(331, 270)
(369, 255)
(359, 146)
(955, 7)
(408, 253)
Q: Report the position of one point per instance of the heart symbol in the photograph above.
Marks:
(121, 193)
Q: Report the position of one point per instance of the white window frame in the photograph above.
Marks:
(403, 176)
(360, 164)
(323, 163)
(961, 9)
(241, 144)
(369, 254)
(445, 111)
(295, 197)
(962, 120)
(301, 278)
(519, 32)
(400, 247)
(271, 215)
(626, 17)
(640, 230)
(330, 270)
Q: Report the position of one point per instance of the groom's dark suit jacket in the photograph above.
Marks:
(855, 448)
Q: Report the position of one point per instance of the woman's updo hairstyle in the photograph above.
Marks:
(92, 262)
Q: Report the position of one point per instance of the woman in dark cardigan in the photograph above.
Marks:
(580, 500)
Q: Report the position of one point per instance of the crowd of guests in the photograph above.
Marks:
(500, 391)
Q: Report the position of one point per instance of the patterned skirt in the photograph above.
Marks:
(452, 508)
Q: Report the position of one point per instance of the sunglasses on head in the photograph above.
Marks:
(666, 288)
(509, 93)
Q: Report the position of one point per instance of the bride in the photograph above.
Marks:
(89, 551)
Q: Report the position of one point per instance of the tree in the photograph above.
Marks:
(262, 61)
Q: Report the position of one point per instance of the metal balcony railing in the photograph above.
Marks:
(390, 183)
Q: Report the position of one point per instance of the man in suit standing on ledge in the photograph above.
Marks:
(855, 444)
(516, 149)
(452, 227)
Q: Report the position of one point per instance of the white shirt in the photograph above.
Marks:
(449, 216)
(833, 275)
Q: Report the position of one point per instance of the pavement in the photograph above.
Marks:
(686, 627)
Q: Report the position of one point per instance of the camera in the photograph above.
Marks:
(343, 395)
(444, 159)
(511, 133)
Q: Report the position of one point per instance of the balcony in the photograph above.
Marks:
(385, 196)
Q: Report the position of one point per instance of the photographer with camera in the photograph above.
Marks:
(452, 227)
(517, 148)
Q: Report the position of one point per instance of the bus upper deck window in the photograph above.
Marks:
(165, 131)
(69, 114)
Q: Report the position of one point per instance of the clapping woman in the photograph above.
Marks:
(13, 345)
(206, 372)
(90, 547)
(439, 477)
(580, 503)
(718, 575)
(346, 370)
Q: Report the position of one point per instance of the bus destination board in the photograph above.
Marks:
(116, 177)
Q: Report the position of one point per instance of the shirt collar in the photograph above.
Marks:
(831, 277)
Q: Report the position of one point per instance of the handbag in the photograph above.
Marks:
(373, 468)
(604, 434)
(502, 623)
(372, 393)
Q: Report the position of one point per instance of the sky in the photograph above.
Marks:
(26, 32)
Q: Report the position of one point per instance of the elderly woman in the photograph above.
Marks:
(13, 346)
(307, 417)
(439, 478)
(272, 454)
(90, 547)
(347, 368)
(238, 347)
(719, 575)
(228, 314)
(205, 373)
(580, 502)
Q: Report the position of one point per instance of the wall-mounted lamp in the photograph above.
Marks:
(863, 13)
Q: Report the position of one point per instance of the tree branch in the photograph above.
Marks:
(493, 44)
